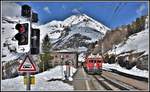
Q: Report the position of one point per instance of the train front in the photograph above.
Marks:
(93, 64)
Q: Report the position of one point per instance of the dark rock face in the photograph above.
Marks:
(110, 58)
(128, 60)
(10, 70)
(76, 40)
(143, 63)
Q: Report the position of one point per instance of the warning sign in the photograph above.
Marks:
(27, 65)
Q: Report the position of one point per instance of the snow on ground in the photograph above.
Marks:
(81, 57)
(8, 33)
(12, 55)
(80, 49)
(41, 81)
(56, 73)
(134, 71)
(138, 42)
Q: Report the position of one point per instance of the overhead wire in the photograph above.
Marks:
(120, 8)
(115, 10)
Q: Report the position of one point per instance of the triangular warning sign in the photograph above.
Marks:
(27, 65)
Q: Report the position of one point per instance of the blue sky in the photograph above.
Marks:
(111, 14)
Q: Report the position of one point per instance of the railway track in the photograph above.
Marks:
(133, 83)
(111, 81)
(111, 84)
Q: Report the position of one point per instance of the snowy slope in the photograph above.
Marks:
(89, 22)
(134, 71)
(71, 21)
(138, 42)
(63, 32)
(7, 33)
(9, 19)
(74, 20)
(41, 82)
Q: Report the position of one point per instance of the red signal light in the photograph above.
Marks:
(20, 28)
(22, 35)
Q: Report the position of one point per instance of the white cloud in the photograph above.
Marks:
(64, 7)
(140, 9)
(34, 11)
(11, 9)
(76, 10)
(47, 9)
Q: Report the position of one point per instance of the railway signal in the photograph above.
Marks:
(23, 36)
(26, 11)
(35, 41)
(34, 17)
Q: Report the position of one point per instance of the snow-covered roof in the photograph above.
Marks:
(65, 50)
(94, 56)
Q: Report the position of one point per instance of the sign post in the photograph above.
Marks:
(32, 80)
(28, 81)
(27, 66)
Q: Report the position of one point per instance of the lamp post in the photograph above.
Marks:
(67, 75)
(62, 58)
(115, 49)
(102, 49)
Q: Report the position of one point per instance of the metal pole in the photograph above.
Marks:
(28, 81)
(67, 73)
(69, 70)
(62, 66)
(28, 74)
(43, 63)
(43, 66)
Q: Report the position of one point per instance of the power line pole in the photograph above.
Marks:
(102, 49)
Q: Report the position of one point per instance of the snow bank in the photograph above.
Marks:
(57, 73)
(81, 57)
(138, 42)
(42, 84)
(134, 71)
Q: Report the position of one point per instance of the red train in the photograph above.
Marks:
(93, 64)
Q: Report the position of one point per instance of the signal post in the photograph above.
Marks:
(28, 43)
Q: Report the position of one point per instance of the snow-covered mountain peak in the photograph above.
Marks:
(81, 19)
(79, 29)
(90, 22)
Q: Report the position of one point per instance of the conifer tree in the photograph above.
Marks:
(45, 56)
